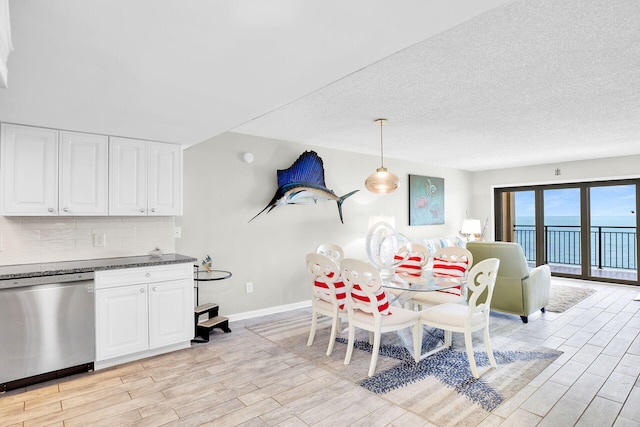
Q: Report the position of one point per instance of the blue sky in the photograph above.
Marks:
(617, 200)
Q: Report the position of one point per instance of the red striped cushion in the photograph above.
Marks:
(449, 268)
(383, 304)
(411, 266)
(340, 291)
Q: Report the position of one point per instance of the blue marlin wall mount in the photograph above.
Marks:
(303, 183)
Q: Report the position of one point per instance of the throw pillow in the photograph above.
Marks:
(383, 303)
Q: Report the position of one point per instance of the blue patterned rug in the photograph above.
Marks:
(449, 366)
(439, 388)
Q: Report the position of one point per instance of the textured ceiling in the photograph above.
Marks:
(185, 71)
(533, 82)
(464, 83)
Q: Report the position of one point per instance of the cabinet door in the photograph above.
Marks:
(165, 179)
(29, 159)
(83, 174)
(121, 321)
(170, 312)
(127, 177)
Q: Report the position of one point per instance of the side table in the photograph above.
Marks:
(203, 328)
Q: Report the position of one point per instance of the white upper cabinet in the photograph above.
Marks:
(128, 177)
(83, 174)
(29, 161)
(47, 172)
(145, 178)
(165, 179)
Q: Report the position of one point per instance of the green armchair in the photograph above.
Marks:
(518, 290)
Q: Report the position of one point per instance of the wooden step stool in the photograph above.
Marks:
(203, 328)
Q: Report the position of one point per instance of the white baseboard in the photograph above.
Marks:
(267, 311)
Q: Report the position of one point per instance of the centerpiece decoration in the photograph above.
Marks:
(382, 246)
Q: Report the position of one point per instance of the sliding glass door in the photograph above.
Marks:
(562, 230)
(585, 230)
(612, 210)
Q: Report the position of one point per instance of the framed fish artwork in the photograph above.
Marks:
(426, 200)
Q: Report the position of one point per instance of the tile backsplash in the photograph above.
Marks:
(51, 239)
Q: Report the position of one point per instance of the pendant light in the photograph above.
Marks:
(382, 181)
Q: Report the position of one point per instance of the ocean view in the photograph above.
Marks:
(614, 221)
(613, 240)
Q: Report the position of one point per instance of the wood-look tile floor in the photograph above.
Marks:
(243, 379)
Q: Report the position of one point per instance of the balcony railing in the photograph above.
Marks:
(611, 246)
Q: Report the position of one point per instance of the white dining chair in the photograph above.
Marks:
(368, 309)
(331, 250)
(328, 295)
(453, 317)
(449, 261)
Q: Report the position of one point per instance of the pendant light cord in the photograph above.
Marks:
(381, 150)
(381, 142)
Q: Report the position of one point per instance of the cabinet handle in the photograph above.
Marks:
(155, 289)
(142, 290)
(66, 209)
(141, 209)
(153, 209)
(148, 274)
(50, 209)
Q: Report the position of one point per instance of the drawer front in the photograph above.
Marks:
(142, 275)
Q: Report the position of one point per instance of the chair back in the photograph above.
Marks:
(331, 250)
(325, 275)
(513, 267)
(481, 281)
(413, 258)
(363, 288)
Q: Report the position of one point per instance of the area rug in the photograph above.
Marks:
(564, 297)
(439, 388)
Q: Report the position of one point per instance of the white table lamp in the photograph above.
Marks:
(471, 228)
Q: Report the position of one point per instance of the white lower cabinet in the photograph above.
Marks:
(142, 312)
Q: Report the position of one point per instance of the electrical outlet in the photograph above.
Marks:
(248, 287)
(177, 232)
(99, 240)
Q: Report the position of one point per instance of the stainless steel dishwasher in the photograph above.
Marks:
(47, 328)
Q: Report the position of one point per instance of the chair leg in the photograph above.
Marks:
(417, 341)
(487, 346)
(352, 335)
(525, 319)
(312, 333)
(374, 353)
(468, 343)
(448, 338)
(334, 331)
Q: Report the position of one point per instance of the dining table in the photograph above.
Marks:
(400, 288)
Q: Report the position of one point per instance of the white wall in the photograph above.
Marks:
(579, 171)
(222, 193)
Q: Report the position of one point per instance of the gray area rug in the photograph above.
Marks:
(439, 388)
(564, 297)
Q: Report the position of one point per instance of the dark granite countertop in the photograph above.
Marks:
(88, 265)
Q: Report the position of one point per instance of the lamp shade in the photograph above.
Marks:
(382, 181)
(471, 227)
